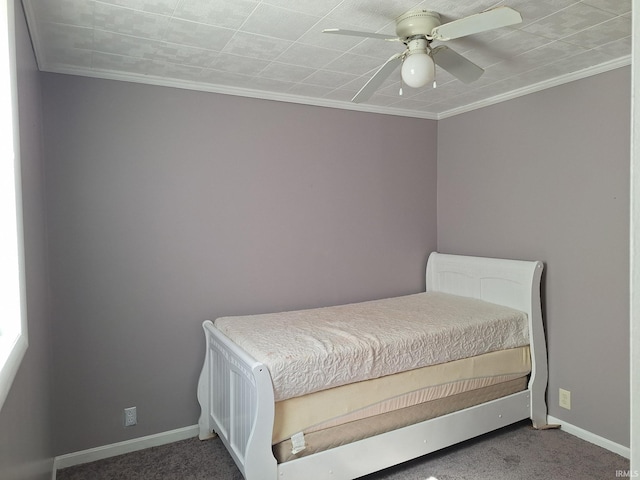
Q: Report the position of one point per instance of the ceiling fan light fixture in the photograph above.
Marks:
(418, 69)
(417, 29)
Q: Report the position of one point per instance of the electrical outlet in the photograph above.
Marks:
(130, 416)
(565, 399)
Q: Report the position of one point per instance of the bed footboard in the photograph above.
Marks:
(236, 400)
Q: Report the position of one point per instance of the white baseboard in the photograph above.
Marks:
(106, 451)
(99, 453)
(590, 437)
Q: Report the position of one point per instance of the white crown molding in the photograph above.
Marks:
(236, 91)
(34, 33)
(536, 87)
(321, 102)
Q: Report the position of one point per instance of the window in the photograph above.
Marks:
(13, 326)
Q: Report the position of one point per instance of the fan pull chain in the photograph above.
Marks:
(434, 75)
(400, 92)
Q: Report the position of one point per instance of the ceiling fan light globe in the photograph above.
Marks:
(417, 70)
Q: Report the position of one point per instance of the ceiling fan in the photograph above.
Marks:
(417, 29)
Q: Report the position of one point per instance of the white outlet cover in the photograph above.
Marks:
(130, 416)
(565, 398)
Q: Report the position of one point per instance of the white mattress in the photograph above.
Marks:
(312, 350)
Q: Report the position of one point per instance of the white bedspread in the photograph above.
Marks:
(311, 350)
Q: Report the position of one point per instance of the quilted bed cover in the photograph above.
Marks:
(316, 349)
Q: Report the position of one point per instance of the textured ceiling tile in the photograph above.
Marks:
(270, 84)
(410, 104)
(551, 52)
(222, 13)
(526, 62)
(329, 79)
(306, 90)
(309, 7)
(611, 30)
(380, 49)
(392, 89)
(284, 72)
(541, 74)
(484, 57)
(578, 62)
(618, 7)
(423, 95)
(372, 16)
(182, 72)
(355, 64)
(340, 95)
(118, 63)
(440, 93)
(500, 71)
(66, 36)
(256, 46)
(383, 100)
(183, 54)
(314, 35)
(278, 22)
(617, 49)
(512, 83)
(356, 84)
(71, 12)
(307, 56)
(130, 22)
(514, 43)
(235, 64)
(68, 57)
(391, 86)
(199, 35)
(504, 48)
(125, 45)
(568, 21)
(218, 77)
(163, 7)
(533, 11)
(443, 77)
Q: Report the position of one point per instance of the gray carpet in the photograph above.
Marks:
(513, 453)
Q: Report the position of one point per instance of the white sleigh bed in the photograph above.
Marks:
(247, 404)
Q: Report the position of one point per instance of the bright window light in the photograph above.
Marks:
(13, 331)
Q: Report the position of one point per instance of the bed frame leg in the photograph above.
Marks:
(546, 426)
(204, 394)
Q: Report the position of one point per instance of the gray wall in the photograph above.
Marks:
(25, 450)
(546, 176)
(168, 207)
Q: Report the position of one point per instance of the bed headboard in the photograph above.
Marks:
(513, 283)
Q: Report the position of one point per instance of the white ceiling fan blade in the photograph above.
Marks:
(380, 76)
(354, 33)
(463, 69)
(480, 22)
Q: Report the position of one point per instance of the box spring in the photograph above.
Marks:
(328, 438)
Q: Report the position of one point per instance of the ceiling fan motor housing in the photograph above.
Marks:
(417, 22)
